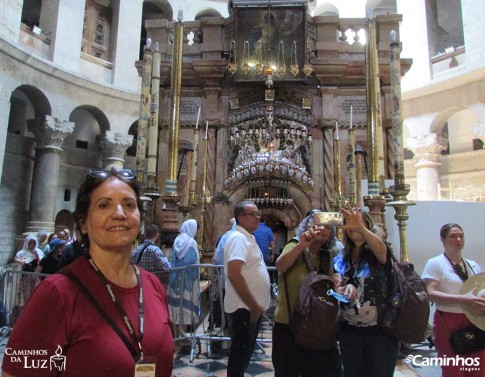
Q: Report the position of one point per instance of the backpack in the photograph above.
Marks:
(409, 319)
(313, 322)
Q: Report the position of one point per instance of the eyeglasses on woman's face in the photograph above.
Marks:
(101, 174)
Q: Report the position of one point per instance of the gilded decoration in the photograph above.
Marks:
(269, 149)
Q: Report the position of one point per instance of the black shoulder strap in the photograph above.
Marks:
(100, 309)
(469, 265)
(141, 252)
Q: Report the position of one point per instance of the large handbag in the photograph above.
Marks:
(313, 320)
(468, 340)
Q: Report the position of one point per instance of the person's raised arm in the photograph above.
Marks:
(355, 223)
(288, 258)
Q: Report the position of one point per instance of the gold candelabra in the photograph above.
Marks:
(400, 189)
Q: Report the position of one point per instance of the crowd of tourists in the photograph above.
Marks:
(101, 302)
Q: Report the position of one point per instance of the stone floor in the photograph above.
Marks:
(196, 356)
(204, 358)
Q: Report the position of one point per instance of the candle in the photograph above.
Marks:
(336, 131)
(351, 110)
(206, 130)
(198, 116)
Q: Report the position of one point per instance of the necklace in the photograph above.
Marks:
(462, 273)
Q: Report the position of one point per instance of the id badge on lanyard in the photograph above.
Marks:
(145, 366)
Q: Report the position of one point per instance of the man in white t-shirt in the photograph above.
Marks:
(247, 287)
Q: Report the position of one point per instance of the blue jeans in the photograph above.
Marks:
(243, 335)
(367, 351)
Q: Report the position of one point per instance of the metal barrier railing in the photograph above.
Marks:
(210, 325)
(16, 287)
(196, 312)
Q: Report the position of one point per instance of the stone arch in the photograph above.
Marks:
(89, 123)
(207, 12)
(153, 10)
(26, 102)
(290, 215)
(378, 7)
(323, 9)
(64, 219)
(131, 151)
(455, 126)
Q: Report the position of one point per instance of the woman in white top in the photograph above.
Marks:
(444, 276)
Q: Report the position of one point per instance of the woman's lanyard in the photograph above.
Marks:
(463, 274)
(119, 307)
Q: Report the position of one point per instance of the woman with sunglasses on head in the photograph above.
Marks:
(444, 276)
(365, 263)
(101, 315)
(317, 245)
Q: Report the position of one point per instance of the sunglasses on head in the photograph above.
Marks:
(102, 174)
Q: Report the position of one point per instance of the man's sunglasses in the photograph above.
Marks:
(101, 174)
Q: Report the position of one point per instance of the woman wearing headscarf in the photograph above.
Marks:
(28, 258)
(184, 288)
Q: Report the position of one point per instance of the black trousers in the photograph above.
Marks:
(243, 335)
(293, 360)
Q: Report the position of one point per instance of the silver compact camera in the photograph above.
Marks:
(328, 218)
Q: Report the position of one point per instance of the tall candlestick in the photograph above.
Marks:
(206, 129)
(358, 153)
(351, 111)
(338, 178)
(351, 166)
(198, 116)
(193, 170)
(336, 131)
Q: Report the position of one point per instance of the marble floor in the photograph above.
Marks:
(204, 358)
(198, 356)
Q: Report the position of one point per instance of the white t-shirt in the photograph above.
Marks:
(241, 245)
(440, 269)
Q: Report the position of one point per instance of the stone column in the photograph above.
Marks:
(49, 134)
(113, 147)
(329, 165)
(427, 152)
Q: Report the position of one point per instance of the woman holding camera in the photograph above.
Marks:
(366, 350)
(320, 246)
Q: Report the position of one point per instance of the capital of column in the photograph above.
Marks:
(113, 147)
(50, 132)
(427, 149)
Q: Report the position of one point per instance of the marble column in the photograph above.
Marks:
(427, 154)
(113, 147)
(49, 134)
(141, 142)
(328, 161)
